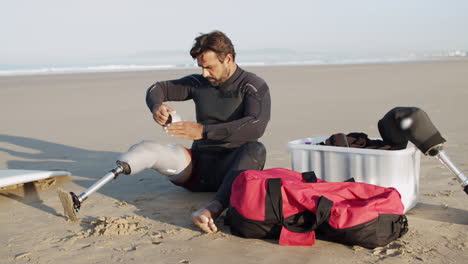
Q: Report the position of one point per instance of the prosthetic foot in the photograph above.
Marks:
(72, 203)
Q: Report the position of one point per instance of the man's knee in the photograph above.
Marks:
(257, 152)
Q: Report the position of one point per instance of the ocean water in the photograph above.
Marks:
(63, 69)
(161, 60)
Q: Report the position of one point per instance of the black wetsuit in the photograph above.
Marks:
(234, 116)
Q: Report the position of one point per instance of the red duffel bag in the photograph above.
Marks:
(294, 207)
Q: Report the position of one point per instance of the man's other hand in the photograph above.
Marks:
(162, 114)
(186, 130)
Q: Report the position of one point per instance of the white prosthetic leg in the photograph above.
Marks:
(167, 159)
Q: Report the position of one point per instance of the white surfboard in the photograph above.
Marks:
(12, 177)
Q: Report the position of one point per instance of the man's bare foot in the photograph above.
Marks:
(206, 216)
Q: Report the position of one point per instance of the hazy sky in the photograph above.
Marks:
(61, 30)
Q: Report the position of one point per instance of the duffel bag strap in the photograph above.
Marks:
(323, 210)
(274, 201)
(309, 176)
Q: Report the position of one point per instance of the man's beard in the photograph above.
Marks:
(220, 80)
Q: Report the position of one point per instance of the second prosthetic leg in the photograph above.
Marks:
(411, 123)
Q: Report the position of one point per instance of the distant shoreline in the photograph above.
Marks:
(108, 68)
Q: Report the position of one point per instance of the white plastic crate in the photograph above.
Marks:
(387, 168)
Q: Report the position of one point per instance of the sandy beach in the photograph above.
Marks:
(82, 122)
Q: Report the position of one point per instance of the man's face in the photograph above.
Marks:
(213, 70)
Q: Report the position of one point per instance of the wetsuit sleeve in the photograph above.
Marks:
(174, 90)
(257, 108)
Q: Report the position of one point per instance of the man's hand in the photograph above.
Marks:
(186, 130)
(162, 114)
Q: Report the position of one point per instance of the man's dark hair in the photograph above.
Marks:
(215, 41)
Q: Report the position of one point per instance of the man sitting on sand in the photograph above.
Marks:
(232, 112)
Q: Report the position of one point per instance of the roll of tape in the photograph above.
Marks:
(174, 117)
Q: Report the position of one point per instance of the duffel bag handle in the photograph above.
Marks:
(294, 233)
(310, 221)
(274, 210)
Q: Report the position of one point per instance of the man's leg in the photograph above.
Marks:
(250, 156)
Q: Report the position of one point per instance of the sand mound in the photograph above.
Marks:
(395, 248)
(108, 226)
